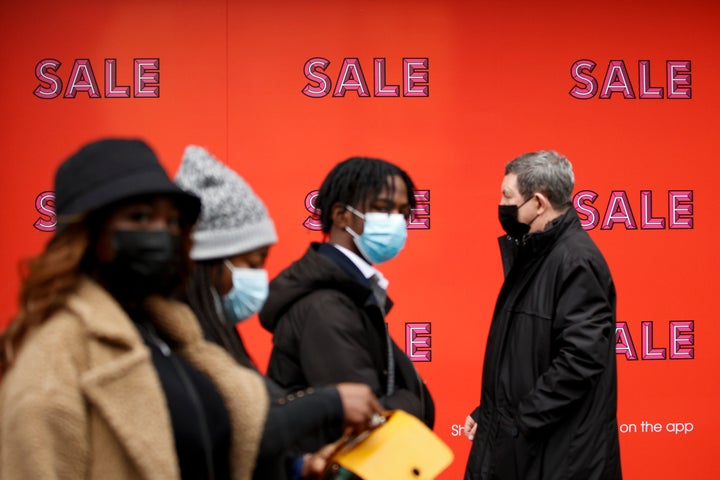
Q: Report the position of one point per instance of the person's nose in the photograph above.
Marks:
(161, 223)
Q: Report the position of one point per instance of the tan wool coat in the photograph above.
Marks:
(84, 401)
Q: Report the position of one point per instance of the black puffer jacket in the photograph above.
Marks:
(328, 328)
(549, 388)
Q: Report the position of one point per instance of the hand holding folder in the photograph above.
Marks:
(400, 448)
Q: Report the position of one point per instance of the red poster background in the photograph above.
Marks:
(230, 79)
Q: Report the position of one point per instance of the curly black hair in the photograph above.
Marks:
(358, 181)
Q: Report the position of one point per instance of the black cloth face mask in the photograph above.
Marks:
(145, 263)
(508, 215)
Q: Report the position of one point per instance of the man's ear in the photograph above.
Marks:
(340, 216)
(543, 203)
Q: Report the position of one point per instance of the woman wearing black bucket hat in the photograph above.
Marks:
(104, 375)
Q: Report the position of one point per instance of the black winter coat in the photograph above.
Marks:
(328, 328)
(549, 387)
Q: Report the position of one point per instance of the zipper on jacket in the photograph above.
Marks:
(391, 364)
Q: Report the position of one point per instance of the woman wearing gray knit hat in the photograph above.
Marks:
(231, 241)
(232, 238)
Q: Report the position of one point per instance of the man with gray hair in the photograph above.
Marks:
(549, 387)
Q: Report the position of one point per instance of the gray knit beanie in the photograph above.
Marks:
(233, 219)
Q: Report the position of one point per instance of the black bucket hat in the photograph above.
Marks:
(109, 170)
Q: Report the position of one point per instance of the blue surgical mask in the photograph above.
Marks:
(248, 293)
(384, 235)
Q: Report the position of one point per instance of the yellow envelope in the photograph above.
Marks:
(401, 448)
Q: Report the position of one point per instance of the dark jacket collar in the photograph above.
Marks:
(379, 297)
(322, 267)
(342, 261)
(535, 244)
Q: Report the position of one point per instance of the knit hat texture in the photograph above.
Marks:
(113, 169)
(233, 219)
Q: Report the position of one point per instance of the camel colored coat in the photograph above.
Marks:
(83, 399)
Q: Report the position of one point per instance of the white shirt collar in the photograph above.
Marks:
(365, 268)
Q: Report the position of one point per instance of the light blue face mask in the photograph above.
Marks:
(384, 235)
(248, 294)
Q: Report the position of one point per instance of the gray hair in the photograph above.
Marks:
(546, 172)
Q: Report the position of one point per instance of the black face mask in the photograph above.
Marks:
(145, 263)
(508, 215)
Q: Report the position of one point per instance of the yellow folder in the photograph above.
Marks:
(401, 448)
